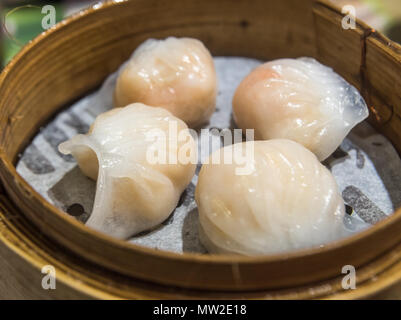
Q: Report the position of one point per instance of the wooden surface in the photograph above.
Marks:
(56, 68)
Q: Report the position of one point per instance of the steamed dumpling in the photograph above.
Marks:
(176, 73)
(301, 100)
(287, 200)
(138, 185)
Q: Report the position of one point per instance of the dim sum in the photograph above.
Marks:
(300, 100)
(136, 189)
(287, 201)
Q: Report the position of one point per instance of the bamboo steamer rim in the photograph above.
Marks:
(90, 284)
(394, 219)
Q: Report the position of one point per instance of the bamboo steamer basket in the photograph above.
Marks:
(76, 55)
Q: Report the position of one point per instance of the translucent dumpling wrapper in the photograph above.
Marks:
(285, 200)
(143, 158)
(301, 100)
(176, 73)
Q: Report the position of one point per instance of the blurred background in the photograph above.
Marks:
(21, 20)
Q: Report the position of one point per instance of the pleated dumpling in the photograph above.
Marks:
(143, 158)
(285, 200)
(301, 100)
(176, 73)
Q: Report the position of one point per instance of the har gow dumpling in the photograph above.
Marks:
(176, 73)
(288, 201)
(136, 190)
(301, 100)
